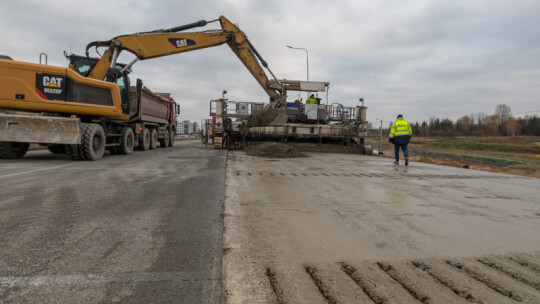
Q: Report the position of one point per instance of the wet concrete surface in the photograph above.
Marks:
(143, 228)
(341, 228)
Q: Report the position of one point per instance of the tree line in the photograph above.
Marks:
(501, 123)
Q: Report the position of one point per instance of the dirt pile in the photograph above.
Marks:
(268, 117)
(273, 150)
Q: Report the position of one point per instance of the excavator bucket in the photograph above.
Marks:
(273, 115)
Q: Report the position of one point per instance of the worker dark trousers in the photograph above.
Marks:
(403, 148)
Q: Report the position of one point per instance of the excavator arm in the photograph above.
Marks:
(160, 43)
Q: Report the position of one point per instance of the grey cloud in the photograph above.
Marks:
(422, 58)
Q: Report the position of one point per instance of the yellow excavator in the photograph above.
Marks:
(87, 106)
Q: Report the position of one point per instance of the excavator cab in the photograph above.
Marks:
(83, 65)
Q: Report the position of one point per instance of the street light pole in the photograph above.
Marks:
(380, 138)
(307, 60)
(380, 135)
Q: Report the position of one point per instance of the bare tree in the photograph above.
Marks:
(481, 118)
(503, 113)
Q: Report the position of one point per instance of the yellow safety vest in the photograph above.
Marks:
(311, 101)
(400, 127)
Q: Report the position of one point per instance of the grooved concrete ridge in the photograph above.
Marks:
(341, 228)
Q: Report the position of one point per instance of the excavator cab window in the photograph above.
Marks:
(83, 65)
(123, 84)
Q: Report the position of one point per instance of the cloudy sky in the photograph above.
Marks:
(420, 58)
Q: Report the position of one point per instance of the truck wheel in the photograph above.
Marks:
(144, 141)
(153, 140)
(164, 143)
(57, 149)
(74, 152)
(171, 139)
(93, 142)
(13, 149)
(127, 142)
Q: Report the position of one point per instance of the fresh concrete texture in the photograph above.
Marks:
(143, 228)
(342, 228)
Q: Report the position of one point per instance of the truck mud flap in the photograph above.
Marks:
(39, 129)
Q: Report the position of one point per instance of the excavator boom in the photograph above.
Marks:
(160, 43)
(249, 56)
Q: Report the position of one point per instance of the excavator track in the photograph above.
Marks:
(218, 143)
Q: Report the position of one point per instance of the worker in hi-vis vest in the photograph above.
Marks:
(400, 135)
(311, 100)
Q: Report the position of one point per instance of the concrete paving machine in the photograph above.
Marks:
(238, 122)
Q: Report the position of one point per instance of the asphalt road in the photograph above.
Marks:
(143, 228)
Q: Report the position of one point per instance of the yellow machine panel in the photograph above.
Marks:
(43, 88)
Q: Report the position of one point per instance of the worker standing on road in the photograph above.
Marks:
(311, 100)
(400, 135)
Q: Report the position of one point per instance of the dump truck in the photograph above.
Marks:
(87, 106)
(154, 118)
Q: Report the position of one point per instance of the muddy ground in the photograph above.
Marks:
(273, 150)
(347, 228)
(522, 170)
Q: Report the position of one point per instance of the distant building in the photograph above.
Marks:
(186, 124)
(187, 128)
(179, 127)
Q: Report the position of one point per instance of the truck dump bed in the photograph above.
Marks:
(150, 106)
